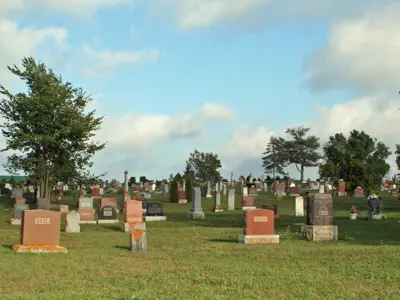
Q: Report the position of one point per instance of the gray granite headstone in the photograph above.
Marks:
(73, 219)
(231, 199)
(319, 209)
(154, 209)
(86, 202)
(196, 203)
(19, 209)
(17, 193)
(217, 200)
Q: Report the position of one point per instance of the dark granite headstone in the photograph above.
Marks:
(29, 197)
(107, 213)
(376, 204)
(144, 203)
(154, 209)
(18, 210)
(319, 209)
(272, 207)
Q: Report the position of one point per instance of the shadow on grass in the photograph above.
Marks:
(224, 240)
(126, 248)
(9, 247)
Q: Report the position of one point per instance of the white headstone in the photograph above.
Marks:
(245, 191)
(73, 219)
(231, 199)
(321, 189)
(299, 206)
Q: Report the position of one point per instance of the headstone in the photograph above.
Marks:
(231, 199)
(248, 203)
(224, 190)
(182, 197)
(299, 206)
(359, 192)
(217, 202)
(133, 212)
(319, 209)
(244, 191)
(154, 212)
(265, 187)
(17, 193)
(252, 191)
(87, 215)
(321, 189)
(394, 192)
(85, 202)
(342, 188)
(208, 195)
(107, 214)
(166, 189)
(138, 237)
(375, 206)
(319, 219)
(96, 193)
(20, 201)
(294, 191)
(272, 207)
(258, 227)
(196, 213)
(108, 202)
(40, 232)
(64, 209)
(73, 219)
(18, 213)
(29, 197)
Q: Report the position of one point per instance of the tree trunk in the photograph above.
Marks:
(302, 173)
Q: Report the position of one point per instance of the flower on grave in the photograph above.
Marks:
(353, 209)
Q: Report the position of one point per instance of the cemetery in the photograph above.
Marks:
(106, 242)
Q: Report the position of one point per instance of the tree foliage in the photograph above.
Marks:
(48, 127)
(274, 159)
(204, 166)
(173, 193)
(189, 188)
(359, 160)
(132, 180)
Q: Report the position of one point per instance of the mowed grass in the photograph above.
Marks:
(202, 260)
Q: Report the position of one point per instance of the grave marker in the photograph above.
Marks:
(299, 206)
(73, 219)
(248, 203)
(87, 215)
(272, 207)
(231, 199)
(40, 232)
(217, 202)
(107, 215)
(258, 227)
(182, 197)
(154, 212)
(196, 212)
(18, 212)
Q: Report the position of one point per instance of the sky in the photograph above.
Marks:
(171, 76)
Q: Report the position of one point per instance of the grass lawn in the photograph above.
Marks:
(201, 259)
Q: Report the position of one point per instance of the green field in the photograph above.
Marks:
(201, 259)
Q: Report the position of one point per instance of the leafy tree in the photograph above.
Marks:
(274, 157)
(204, 166)
(142, 179)
(359, 160)
(278, 178)
(188, 171)
(178, 178)
(173, 193)
(47, 127)
(301, 150)
(171, 177)
(189, 189)
(12, 181)
(132, 180)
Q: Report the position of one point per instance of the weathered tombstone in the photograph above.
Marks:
(17, 193)
(248, 203)
(18, 213)
(299, 206)
(155, 212)
(245, 191)
(258, 227)
(265, 187)
(208, 195)
(375, 206)
(182, 197)
(196, 213)
(319, 219)
(231, 199)
(87, 215)
(252, 191)
(133, 214)
(85, 202)
(29, 197)
(107, 214)
(293, 191)
(359, 192)
(224, 190)
(321, 189)
(73, 219)
(40, 232)
(342, 188)
(166, 189)
(272, 207)
(138, 237)
(217, 202)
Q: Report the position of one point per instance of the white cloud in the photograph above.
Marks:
(17, 42)
(361, 53)
(377, 117)
(7, 6)
(142, 131)
(107, 61)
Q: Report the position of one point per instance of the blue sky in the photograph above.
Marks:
(220, 76)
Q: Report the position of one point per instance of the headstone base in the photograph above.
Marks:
(182, 201)
(87, 222)
(231, 208)
(136, 226)
(107, 221)
(208, 196)
(138, 241)
(258, 239)
(155, 218)
(196, 215)
(16, 221)
(248, 208)
(342, 194)
(217, 210)
(298, 215)
(319, 233)
(378, 217)
(294, 195)
(39, 249)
